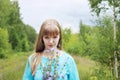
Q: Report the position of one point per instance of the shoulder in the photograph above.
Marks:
(31, 57)
(70, 60)
(67, 55)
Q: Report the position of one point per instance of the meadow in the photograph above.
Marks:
(12, 68)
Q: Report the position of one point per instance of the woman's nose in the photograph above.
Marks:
(51, 40)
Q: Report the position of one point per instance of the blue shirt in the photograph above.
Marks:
(66, 68)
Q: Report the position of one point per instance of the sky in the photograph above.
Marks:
(67, 12)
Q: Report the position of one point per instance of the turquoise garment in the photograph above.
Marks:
(66, 68)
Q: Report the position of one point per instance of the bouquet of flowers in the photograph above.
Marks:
(50, 70)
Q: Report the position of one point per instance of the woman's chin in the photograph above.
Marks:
(49, 48)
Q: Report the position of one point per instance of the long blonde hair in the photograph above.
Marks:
(50, 30)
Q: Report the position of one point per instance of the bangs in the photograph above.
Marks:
(51, 31)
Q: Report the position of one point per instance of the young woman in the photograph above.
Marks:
(50, 62)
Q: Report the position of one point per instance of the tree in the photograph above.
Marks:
(14, 14)
(118, 39)
(66, 36)
(105, 40)
(89, 40)
(99, 6)
(4, 42)
(5, 6)
(21, 36)
(31, 35)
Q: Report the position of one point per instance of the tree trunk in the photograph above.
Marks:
(115, 50)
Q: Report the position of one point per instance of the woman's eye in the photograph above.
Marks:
(55, 37)
(46, 37)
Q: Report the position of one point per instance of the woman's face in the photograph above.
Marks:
(51, 41)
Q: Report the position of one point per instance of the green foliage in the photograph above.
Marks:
(113, 5)
(118, 43)
(21, 37)
(102, 73)
(66, 34)
(4, 42)
(98, 40)
(98, 43)
(71, 42)
(105, 39)
(73, 45)
(31, 36)
(88, 40)
(5, 46)
(14, 14)
(99, 6)
(5, 6)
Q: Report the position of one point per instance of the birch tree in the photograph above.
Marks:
(99, 6)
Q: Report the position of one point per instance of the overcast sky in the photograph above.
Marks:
(67, 12)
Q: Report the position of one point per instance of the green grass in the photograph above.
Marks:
(91, 70)
(12, 68)
(85, 67)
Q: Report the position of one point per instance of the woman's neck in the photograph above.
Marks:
(51, 53)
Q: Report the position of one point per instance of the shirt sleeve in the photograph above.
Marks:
(73, 72)
(28, 73)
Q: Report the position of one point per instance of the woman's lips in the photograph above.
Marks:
(50, 45)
